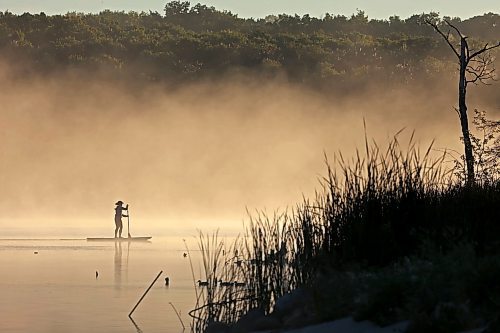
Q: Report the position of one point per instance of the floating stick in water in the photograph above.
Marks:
(135, 325)
(147, 290)
(178, 316)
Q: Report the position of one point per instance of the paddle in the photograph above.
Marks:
(128, 222)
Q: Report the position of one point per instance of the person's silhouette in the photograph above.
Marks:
(118, 217)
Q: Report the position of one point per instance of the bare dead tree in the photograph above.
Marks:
(476, 66)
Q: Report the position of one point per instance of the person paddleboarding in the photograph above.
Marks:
(118, 217)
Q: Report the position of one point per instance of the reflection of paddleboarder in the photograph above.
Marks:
(118, 217)
(118, 265)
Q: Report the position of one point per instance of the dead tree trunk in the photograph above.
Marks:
(474, 66)
(462, 112)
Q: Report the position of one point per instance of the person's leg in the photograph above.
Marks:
(120, 231)
(117, 226)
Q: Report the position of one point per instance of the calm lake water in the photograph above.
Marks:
(57, 290)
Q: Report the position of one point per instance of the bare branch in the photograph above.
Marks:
(446, 37)
(463, 39)
(481, 69)
(455, 28)
(484, 49)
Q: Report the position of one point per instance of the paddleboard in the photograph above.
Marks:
(123, 239)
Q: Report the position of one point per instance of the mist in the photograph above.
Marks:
(196, 156)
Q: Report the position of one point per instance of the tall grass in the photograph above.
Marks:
(373, 210)
(219, 298)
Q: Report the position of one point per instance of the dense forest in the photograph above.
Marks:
(188, 42)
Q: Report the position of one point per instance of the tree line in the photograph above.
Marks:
(187, 42)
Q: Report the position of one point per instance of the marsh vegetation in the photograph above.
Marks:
(382, 240)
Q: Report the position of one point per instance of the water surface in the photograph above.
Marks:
(56, 290)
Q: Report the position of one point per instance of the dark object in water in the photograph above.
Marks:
(185, 255)
(226, 284)
(202, 283)
(167, 281)
(96, 274)
(36, 252)
(123, 239)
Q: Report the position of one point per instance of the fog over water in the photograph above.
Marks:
(193, 156)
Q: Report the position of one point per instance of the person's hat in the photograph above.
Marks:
(119, 202)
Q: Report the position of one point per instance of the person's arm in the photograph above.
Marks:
(125, 208)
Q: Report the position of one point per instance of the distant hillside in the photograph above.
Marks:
(191, 42)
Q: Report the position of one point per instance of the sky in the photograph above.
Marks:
(261, 8)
